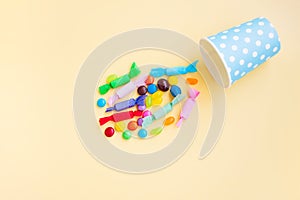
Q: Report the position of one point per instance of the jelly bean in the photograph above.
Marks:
(157, 94)
(126, 135)
(163, 85)
(148, 101)
(132, 125)
(142, 133)
(157, 101)
(141, 108)
(142, 90)
(120, 126)
(173, 80)
(156, 131)
(140, 121)
(111, 77)
(169, 121)
(175, 90)
(101, 102)
(192, 81)
(146, 113)
(109, 131)
(149, 80)
(152, 88)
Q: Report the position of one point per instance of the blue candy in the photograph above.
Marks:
(101, 102)
(142, 133)
(152, 88)
(175, 90)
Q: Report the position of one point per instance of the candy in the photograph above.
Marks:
(157, 94)
(141, 108)
(175, 90)
(111, 77)
(156, 101)
(127, 89)
(101, 102)
(162, 111)
(188, 106)
(128, 104)
(146, 113)
(156, 131)
(163, 85)
(120, 126)
(140, 121)
(117, 117)
(132, 125)
(192, 81)
(173, 80)
(148, 101)
(169, 121)
(142, 133)
(158, 72)
(152, 88)
(134, 71)
(149, 80)
(109, 131)
(142, 90)
(126, 135)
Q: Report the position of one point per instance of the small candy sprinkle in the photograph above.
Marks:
(173, 80)
(175, 90)
(142, 90)
(152, 88)
(148, 101)
(157, 94)
(149, 80)
(101, 102)
(163, 85)
(157, 101)
(120, 126)
(126, 135)
(109, 131)
(139, 121)
(169, 121)
(111, 77)
(146, 113)
(192, 81)
(141, 108)
(142, 133)
(156, 131)
(132, 125)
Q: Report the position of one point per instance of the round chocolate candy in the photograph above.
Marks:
(109, 131)
(163, 84)
(142, 90)
(175, 90)
(132, 125)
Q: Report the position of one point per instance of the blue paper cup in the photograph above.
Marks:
(231, 54)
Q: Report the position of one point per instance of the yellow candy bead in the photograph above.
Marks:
(173, 80)
(169, 121)
(157, 94)
(156, 131)
(148, 101)
(157, 101)
(110, 78)
(120, 126)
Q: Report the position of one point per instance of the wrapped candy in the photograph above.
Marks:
(140, 101)
(127, 89)
(134, 71)
(172, 71)
(188, 106)
(162, 111)
(117, 117)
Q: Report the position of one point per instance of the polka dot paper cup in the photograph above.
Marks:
(231, 54)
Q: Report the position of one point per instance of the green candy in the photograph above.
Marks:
(103, 89)
(120, 81)
(110, 78)
(126, 135)
(148, 101)
(156, 131)
(134, 70)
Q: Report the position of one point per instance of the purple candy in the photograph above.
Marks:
(140, 121)
(141, 108)
(146, 113)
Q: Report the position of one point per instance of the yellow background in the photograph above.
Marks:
(43, 44)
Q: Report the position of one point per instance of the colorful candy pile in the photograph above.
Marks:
(149, 94)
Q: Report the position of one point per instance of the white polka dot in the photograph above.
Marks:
(261, 23)
(242, 62)
(236, 30)
(249, 64)
(229, 69)
(231, 58)
(236, 37)
(262, 57)
(258, 43)
(271, 35)
(260, 32)
(271, 25)
(275, 49)
(236, 72)
(254, 54)
(267, 46)
(249, 23)
(242, 74)
(234, 47)
(247, 40)
(222, 45)
(245, 50)
(237, 26)
(223, 37)
(225, 32)
(248, 30)
(212, 38)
